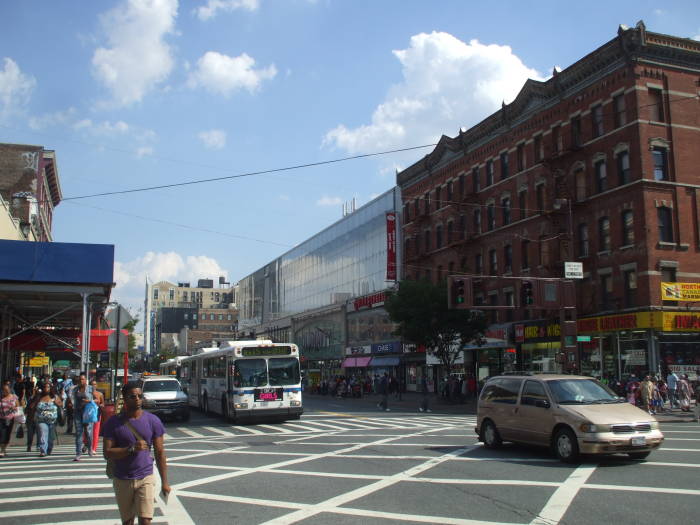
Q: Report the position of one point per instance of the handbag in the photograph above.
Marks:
(20, 432)
(109, 468)
(61, 419)
(90, 412)
(19, 416)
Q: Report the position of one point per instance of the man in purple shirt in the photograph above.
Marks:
(128, 439)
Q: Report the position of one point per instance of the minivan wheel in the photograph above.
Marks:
(490, 435)
(639, 455)
(566, 445)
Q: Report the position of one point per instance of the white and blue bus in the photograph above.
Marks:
(170, 367)
(245, 379)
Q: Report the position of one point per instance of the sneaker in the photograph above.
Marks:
(91, 453)
(77, 458)
(387, 410)
(420, 409)
(84, 449)
(42, 455)
(428, 410)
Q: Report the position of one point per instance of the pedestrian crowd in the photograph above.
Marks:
(44, 408)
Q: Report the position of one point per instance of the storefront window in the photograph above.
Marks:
(540, 357)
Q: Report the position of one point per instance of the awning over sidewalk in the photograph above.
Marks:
(356, 362)
(385, 361)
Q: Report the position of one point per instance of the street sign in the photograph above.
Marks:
(119, 313)
(573, 270)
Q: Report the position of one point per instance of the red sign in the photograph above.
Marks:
(519, 333)
(368, 301)
(391, 246)
(62, 340)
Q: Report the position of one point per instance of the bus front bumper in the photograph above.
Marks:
(269, 412)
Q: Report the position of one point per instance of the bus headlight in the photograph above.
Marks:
(240, 405)
(294, 403)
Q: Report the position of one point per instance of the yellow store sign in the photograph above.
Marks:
(681, 322)
(665, 321)
(680, 291)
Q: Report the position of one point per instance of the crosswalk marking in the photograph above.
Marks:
(250, 430)
(190, 432)
(219, 431)
(277, 428)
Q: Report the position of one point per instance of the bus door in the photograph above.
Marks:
(230, 374)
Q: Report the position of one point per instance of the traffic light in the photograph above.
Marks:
(459, 292)
(527, 294)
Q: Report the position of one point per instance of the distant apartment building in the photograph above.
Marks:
(29, 192)
(171, 307)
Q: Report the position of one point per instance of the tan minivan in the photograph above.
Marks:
(571, 414)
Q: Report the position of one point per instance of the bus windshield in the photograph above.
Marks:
(283, 371)
(250, 372)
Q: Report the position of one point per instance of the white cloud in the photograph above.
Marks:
(144, 151)
(102, 128)
(130, 276)
(210, 10)
(15, 88)
(329, 201)
(48, 120)
(447, 84)
(213, 139)
(223, 74)
(137, 58)
(284, 197)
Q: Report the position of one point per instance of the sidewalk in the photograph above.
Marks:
(410, 401)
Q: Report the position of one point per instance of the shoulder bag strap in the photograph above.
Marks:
(135, 432)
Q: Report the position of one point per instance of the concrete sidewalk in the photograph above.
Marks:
(410, 401)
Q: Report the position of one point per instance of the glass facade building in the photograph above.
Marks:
(347, 259)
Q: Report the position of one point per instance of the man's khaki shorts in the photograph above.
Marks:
(135, 497)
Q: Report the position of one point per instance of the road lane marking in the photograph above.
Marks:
(561, 500)
(277, 429)
(190, 432)
(654, 489)
(220, 431)
(249, 430)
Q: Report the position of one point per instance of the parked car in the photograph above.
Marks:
(163, 396)
(571, 414)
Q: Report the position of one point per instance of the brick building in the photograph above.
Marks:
(598, 164)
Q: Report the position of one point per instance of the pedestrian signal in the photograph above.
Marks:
(527, 294)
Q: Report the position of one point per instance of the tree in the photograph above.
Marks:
(420, 309)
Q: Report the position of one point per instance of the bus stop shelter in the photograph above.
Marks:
(50, 289)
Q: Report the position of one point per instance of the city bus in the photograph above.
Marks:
(170, 367)
(245, 379)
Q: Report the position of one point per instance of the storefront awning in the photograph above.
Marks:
(487, 342)
(356, 362)
(385, 361)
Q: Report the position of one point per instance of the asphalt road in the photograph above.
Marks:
(346, 462)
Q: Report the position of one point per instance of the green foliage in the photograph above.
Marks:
(420, 309)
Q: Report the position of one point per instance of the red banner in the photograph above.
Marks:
(391, 246)
(36, 341)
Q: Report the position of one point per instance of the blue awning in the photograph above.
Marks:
(384, 361)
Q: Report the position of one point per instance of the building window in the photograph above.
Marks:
(520, 154)
(504, 165)
(505, 206)
(416, 208)
(508, 296)
(665, 217)
(540, 198)
(597, 120)
(660, 164)
(620, 111)
(478, 264)
(427, 240)
(186, 316)
(477, 221)
(429, 275)
(450, 232)
(493, 262)
(438, 202)
(439, 274)
(580, 177)
(603, 234)
(606, 290)
(184, 296)
(489, 173)
(656, 105)
(544, 253)
(539, 150)
(463, 264)
(557, 145)
(601, 176)
(450, 268)
(525, 254)
(406, 216)
(416, 244)
(461, 185)
(462, 226)
(522, 204)
(426, 203)
(211, 317)
(623, 167)
(171, 294)
(407, 247)
(476, 183)
(508, 258)
(228, 317)
(491, 216)
(627, 227)
(194, 317)
(493, 314)
(630, 277)
(583, 240)
(155, 294)
(449, 193)
(438, 237)
(576, 139)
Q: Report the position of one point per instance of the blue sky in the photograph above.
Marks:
(135, 93)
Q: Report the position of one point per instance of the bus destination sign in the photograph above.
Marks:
(265, 351)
